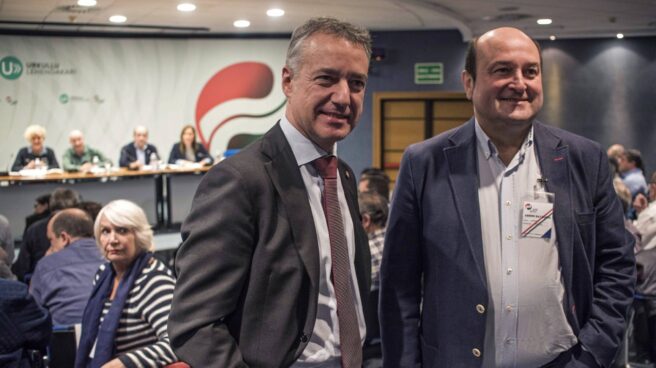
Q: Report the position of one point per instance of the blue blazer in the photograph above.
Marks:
(433, 269)
(129, 154)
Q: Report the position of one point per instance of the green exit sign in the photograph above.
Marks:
(429, 73)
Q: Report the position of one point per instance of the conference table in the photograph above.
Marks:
(164, 193)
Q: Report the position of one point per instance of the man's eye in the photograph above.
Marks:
(357, 84)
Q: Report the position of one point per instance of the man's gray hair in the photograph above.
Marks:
(331, 26)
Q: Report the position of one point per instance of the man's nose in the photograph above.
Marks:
(341, 95)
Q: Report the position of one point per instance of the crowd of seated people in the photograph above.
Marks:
(638, 196)
(94, 268)
(81, 157)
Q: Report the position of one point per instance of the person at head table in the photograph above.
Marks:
(139, 152)
(80, 157)
(188, 150)
(36, 155)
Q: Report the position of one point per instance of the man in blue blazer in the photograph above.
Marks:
(138, 153)
(506, 244)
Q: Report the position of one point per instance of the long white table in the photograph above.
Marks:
(165, 195)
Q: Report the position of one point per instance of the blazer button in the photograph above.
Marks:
(480, 308)
(476, 352)
(304, 338)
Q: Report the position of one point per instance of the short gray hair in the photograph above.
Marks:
(127, 214)
(331, 26)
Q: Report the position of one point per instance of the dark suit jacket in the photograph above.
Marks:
(34, 247)
(200, 154)
(24, 324)
(129, 154)
(248, 270)
(434, 235)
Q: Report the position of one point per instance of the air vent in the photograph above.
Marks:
(511, 17)
(76, 9)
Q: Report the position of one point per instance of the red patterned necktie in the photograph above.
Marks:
(349, 330)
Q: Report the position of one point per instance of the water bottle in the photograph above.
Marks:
(154, 161)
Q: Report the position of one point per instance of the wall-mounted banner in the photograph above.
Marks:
(429, 73)
(229, 89)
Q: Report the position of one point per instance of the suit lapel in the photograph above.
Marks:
(554, 164)
(463, 178)
(286, 178)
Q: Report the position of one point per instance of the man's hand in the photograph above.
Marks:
(136, 165)
(86, 167)
(640, 202)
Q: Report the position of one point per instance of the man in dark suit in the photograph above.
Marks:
(138, 153)
(24, 324)
(506, 245)
(260, 282)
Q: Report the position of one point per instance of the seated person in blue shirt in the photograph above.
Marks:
(188, 150)
(81, 157)
(137, 154)
(36, 155)
(62, 281)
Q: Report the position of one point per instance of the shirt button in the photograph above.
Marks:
(509, 271)
(480, 308)
(304, 338)
(508, 203)
(476, 352)
(509, 237)
(508, 308)
(509, 341)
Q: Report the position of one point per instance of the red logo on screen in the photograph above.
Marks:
(240, 80)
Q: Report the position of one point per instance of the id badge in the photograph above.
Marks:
(537, 215)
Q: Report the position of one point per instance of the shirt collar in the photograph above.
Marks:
(305, 151)
(489, 149)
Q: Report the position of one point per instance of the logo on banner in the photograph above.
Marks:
(245, 80)
(11, 67)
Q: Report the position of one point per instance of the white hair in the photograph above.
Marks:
(33, 130)
(127, 214)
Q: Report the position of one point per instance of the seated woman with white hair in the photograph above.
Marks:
(36, 155)
(124, 323)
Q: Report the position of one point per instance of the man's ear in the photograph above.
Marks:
(468, 83)
(366, 221)
(287, 76)
(66, 238)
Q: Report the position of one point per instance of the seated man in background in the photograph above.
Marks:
(23, 325)
(35, 242)
(645, 207)
(137, 154)
(374, 180)
(62, 281)
(41, 211)
(374, 209)
(81, 157)
(6, 241)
